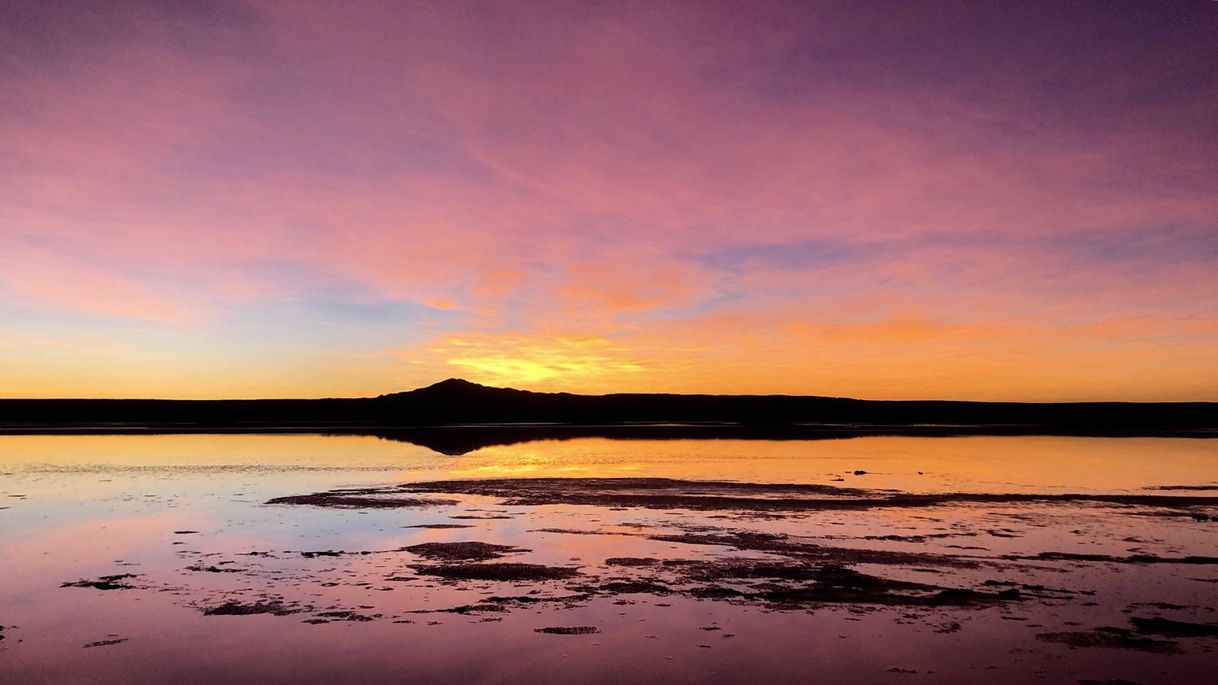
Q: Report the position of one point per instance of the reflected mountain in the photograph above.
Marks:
(456, 416)
(459, 440)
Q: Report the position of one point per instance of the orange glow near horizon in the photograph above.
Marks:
(240, 201)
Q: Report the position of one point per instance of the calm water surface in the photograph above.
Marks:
(186, 515)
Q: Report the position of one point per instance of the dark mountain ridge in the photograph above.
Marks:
(459, 402)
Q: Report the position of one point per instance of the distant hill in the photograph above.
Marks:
(460, 402)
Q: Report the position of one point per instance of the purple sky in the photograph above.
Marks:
(893, 199)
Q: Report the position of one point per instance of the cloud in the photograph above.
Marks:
(532, 361)
(674, 179)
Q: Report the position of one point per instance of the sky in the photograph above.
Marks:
(969, 200)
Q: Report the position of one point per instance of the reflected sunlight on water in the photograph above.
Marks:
(187, 515)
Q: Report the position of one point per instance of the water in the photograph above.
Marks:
(187, 516)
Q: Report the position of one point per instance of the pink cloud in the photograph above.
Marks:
(572, 171)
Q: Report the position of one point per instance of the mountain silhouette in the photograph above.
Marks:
(454, 391)
(515, 413)
(449, 387)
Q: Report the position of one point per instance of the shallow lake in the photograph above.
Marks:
(150, 558)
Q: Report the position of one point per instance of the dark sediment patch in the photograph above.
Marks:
(630, 561)
(106, 643)
(750, 569)
(527, 488)
(665, 493)
(715, 592)
(628, 587)
(213, 569)
(342, 615)
(741, 498)
(783, 545)
(654, 493)
(1111, 638)
(480, 608)
(831, 584)
(498, 571)
(185, 532)
(531, 600)
(923, 537)
(113, 582)
(1171, 628)
(1037, 590)
(313, 554)
(234, 608)
(1131, 559)
(797, 584)
(461, 551)
(568, 630)
(1194, 514)
(364, 500)
(1002, 533)
(440, 526)
(518, 599)
(969, 597)
(1160, 605)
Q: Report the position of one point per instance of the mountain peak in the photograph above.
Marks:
(454, 384)
(452, 388)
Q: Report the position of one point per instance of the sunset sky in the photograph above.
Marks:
(974, 200)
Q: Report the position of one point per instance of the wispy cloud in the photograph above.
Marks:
(798, 197)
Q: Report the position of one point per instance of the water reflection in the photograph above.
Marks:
(186, 515)
(918, 464)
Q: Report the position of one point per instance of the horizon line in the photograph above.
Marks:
(456, 380)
